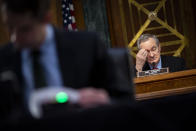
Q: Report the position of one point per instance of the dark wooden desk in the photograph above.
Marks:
(163, 93)
(150, 84)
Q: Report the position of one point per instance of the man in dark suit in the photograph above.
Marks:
(78, 60)
(149, 56)
(174, 63)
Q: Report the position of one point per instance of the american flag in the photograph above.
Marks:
(69, 21)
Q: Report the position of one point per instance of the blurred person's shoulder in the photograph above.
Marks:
(78, 38)
(6, 49)
(82, 34)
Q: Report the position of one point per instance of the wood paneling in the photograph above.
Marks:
(184, 22)
(79, 14)
(189, 27)
(115, 23)
(4, 37)
(56, 11)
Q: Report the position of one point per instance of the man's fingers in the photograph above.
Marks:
(145, 53)
(142, 54)
(93, 97)
(141, 51)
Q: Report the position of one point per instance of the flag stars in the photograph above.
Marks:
(68, 15)
(63, 6)
(65, 21)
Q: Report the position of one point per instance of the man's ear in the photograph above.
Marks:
(159, 47)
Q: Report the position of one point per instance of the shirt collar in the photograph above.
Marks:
(49, 37)
(159, 65)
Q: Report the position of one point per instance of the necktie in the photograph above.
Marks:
(154, 66)
(38, 72)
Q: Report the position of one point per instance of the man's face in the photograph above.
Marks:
(153, 50)
(25, 31)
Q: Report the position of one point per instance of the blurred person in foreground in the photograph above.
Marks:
(78, 60)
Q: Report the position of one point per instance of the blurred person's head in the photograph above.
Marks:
(26, 21)
(152, 45)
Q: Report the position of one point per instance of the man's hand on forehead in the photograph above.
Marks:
(141, 59)
(143, 52)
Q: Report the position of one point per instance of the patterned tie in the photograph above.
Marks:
(154, 67)
(38, 72)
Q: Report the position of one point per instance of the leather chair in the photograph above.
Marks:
(123, 61)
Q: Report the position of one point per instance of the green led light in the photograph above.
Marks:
(61, 97)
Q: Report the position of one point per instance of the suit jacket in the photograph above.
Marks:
(174, 63)
(83, 61)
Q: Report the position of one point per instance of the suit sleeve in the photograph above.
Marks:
(119, 87)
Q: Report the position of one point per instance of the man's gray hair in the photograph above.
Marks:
(145, 37)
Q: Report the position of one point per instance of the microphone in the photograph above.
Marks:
(153, 65)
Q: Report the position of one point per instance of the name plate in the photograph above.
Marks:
(153, 72)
